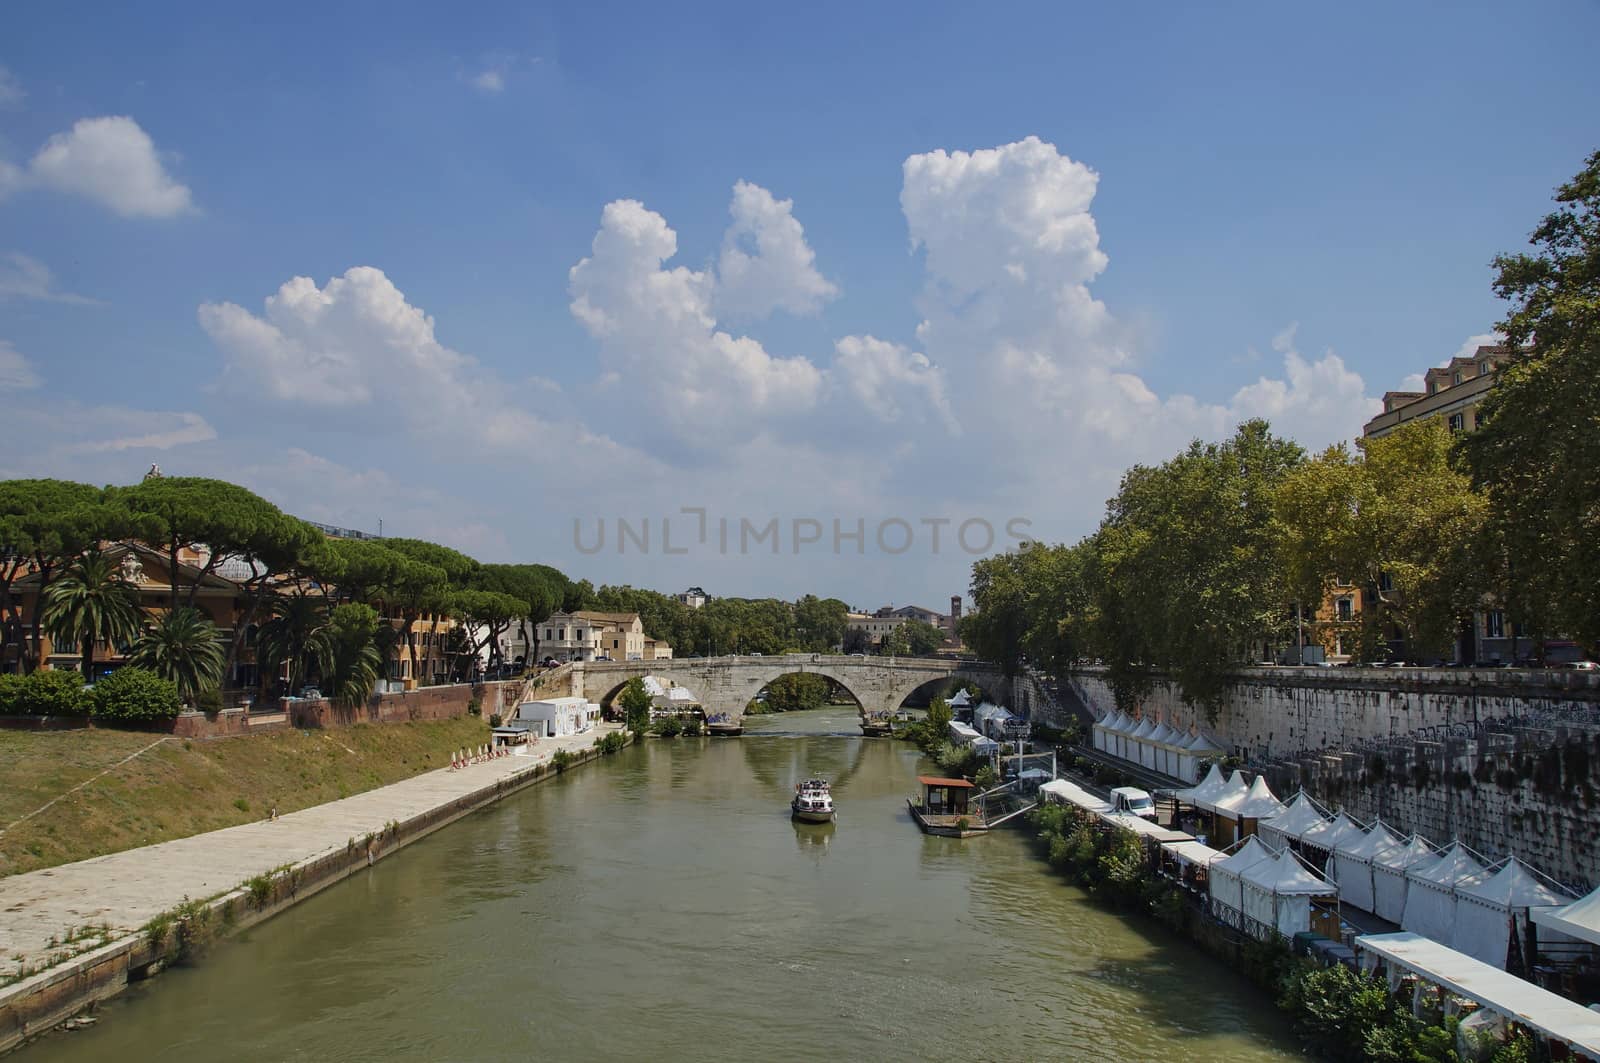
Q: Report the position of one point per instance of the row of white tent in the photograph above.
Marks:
(1156, 746)
(1453, 895)
(1274, 888)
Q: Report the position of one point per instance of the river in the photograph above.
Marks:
(661, 905)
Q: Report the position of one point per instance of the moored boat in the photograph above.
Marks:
(812, 802)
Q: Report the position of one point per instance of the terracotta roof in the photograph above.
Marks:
(609, 618)
(929, 780)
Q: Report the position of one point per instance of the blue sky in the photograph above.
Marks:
(1299, 204)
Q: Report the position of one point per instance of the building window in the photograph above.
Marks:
(1385, 582)
(1494, 624)
(1458, 422)
(1457, 377)
(1346, 609)
(1483, 368)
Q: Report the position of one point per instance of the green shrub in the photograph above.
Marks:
(209, 701)
(692, 728)
(54, 693)
(561, 759)
(11, 688)
(475, 706)
(668, 727)
(135, 694)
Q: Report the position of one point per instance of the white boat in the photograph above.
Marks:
(813, 802)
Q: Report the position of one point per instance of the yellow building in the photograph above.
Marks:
(1452, 392)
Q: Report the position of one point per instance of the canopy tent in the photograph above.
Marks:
(1159, 738)
(1224, 884)
(1389, 875)
(1170, 741)
(1580, 919)
(1431, 892)
(1330, 834)
(1212, 784)
(1555, 1017)
(1195, 752)
(1141, 748)
(1301, 813)
(1277, 893)
(1062, 792)
(1191, 852)
(1259, 803)
(1352, 864)
(1485, 910)
(1117, 734)
(1233, 790)
(1144, 828)
(962, 699)
(1100, 730)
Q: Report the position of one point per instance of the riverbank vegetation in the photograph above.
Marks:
(1221, 554)
(1340, 1014)
(116, 790)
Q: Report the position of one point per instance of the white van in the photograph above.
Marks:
(1134, 802)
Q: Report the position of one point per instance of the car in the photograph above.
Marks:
(1585, 666)
(755, 655)
(858, 655)
(603, 657)
(310, 692)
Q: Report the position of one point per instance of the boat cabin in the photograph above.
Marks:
(944, 797)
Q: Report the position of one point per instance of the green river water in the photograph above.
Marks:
(660, 905)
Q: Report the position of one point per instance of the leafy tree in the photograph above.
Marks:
(44, 524)
(295, 635)
(896, 643)
(354, 659)
(820, 623)
(921, 638)
(797, 692)
(540, 588)
(185, 647)
(1336, 1009)
(224, 520)
(635, 703)
(1397, 519)
(857, 640)
(489, 611)
(278, 548)
(135, 694)
(939, 717)
(1536, 450)
(89, 603)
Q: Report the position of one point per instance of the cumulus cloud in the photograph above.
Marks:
(23, 277)
(357, 345)
(766, 264)
(110, 161)
(1469, 347)
(492, 81)
(893, 382)
(16, 372)
(657, 329)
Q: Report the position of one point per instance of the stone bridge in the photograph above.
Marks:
(727, 684)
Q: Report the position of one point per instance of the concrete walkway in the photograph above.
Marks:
(127, 889)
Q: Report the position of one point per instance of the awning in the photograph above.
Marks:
(1191, 852)
(1505, 994)
(1580, 919)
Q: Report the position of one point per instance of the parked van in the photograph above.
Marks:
(1134, 802)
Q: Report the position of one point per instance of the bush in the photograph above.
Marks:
(54, 693)
(209, 701)
(11, 687)
(561, 759)
(691, 729)
(135, 694)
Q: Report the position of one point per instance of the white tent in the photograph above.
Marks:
(1117, 735)
(1330, 834)
(1259, 803)
(1212, 784)
(1300, 814)
(1191, 852)
(1099, 730)
(1485, 910)
(1141, 750)
(1389, 875)
(1169, 744)
(1196, 751)
(1352, 864)
(1062, 792)
(1223, 881)
(1431, 893)
(961, 701)
(1233, 790)
(1277, 893)
(1580, 919)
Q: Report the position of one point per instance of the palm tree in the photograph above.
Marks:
(88, 603)
(297, 635)
(185, 647)
(355, 660)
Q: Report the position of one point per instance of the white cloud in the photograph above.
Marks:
(893, 382)
(12, 178)
(16, 373)
(113, 162)
(23, 277)
(766, 264)
(11, 92)
(140, 430)
(357, 345)
(491, 81)
(657, 328)
(1483, 339)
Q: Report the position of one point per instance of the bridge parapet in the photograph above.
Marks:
(727, 684)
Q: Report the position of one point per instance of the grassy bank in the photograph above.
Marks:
(174, 788)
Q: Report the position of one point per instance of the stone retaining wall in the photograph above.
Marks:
(424, 703)
(1277, 712)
